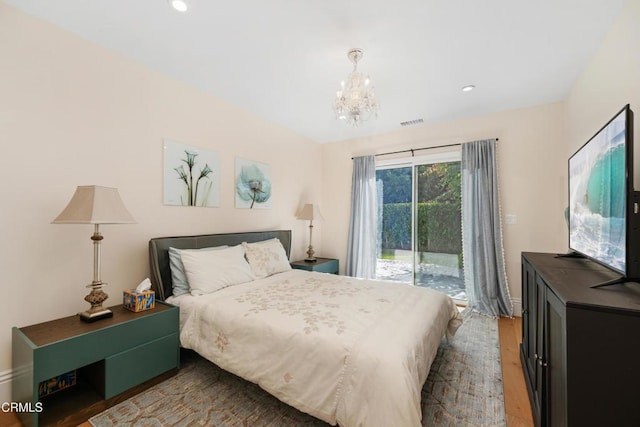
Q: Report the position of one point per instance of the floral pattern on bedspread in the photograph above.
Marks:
(317, 300)
(222, 341)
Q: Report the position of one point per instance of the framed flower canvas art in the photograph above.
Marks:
(191, 176)
(253, 184)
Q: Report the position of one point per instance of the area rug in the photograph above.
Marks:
(464, 388)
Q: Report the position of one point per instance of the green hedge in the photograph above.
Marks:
(438, 228)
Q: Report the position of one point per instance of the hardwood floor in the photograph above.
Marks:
(516, 399)
(517, 408)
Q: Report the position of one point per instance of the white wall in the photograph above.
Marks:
(73, 113)
(610, 81)
(531, 165)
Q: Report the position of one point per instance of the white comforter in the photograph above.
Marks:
(345, 350)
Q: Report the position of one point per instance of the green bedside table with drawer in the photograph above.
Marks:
(322, 265)
(113, 359)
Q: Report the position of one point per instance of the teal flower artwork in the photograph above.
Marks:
(253, 184)
(191, 176)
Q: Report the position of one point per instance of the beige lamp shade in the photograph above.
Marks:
(93, 204)
(310, 212)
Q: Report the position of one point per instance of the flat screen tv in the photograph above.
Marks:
(603, 207)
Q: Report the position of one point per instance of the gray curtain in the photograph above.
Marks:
(484, 269)
(361, 249)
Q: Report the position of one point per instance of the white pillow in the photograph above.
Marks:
(266, 257)
(179, 282)
(210, 271)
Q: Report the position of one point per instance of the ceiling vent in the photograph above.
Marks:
(412, 122)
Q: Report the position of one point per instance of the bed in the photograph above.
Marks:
(348, 351)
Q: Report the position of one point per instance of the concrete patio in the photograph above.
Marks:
(435, 271)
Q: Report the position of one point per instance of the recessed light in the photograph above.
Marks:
(468, 88)
(179, 5)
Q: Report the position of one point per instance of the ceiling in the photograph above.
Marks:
(283, 60)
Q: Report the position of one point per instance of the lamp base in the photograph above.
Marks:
(89, 316)
(310, 253)
(96, 297)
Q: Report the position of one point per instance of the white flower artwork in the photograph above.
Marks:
(253, 184)
(191, 176)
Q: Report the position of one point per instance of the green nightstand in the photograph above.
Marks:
(114, 359)
(323, 265)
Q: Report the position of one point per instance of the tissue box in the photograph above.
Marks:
(138, 301)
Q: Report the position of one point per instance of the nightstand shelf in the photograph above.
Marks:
(115, 358)
(323, 265)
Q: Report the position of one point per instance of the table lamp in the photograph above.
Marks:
(310, 212)
(93, 204)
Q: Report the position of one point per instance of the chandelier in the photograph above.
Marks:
(355, 100)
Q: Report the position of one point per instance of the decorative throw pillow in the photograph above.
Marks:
(179, 282)
(266, 257)
(210, 271)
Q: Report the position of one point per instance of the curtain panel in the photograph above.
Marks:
(363, 225)
(482, 244)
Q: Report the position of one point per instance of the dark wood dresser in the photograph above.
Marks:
(580, 346)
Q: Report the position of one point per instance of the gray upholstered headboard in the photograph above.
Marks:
(159, 252)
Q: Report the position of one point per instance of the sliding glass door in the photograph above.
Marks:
(419, 223)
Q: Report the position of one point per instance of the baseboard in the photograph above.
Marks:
(6, 379)
(517, 307)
